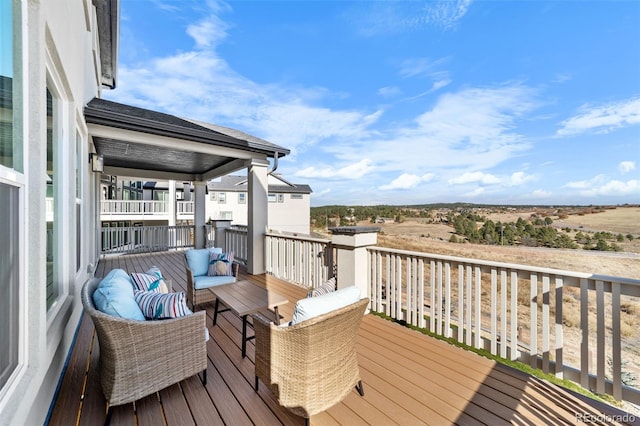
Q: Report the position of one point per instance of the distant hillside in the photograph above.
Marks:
(342, 215)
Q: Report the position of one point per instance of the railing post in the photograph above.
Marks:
(219, 233)
(199, 214)
(351, 244)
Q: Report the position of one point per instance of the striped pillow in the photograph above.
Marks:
(148, 282)
(327, 287)
(162, 305)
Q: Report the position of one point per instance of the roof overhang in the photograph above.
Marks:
(108, 19)
(151, 145)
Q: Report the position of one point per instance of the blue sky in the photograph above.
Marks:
(407, 102)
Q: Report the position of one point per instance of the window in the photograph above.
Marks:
(222, 198)
(9, 261)
(271, 197)
(296, 196)
(11, 183)
(52, 182)
(78, 218)
(160, 195)
(213, 196)
(10, 99)
(242, 198)
(281, 198)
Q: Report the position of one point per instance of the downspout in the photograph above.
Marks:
(275, 163)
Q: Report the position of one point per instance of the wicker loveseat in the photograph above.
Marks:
(138, 358)
(312, 365)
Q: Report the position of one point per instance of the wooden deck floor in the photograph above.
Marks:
(409, 379)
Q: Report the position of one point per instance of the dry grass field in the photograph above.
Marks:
(417, 235)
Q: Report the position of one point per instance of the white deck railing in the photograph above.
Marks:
(307, 262)
(134, 239)
(185, 208)
(134, 207)
(516, 312)
(236, 241)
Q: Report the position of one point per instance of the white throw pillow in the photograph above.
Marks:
(314, 306)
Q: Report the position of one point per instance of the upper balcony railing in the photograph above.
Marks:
(185, 208)
(114, 209)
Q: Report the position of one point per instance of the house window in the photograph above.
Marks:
(281, 198)
(213, 196)
(296, 196)
(78, 218)
(160, 195)
(242, 198)
(12, 182)
(9, 262)
(10, 98)
(53, 184)
(271, 197)
(222, 198)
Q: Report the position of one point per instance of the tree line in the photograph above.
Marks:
(474, 228)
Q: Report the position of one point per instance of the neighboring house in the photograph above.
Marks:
(289, 204)
(130, 203)
(57, 139)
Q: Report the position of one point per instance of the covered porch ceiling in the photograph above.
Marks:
(152, 145)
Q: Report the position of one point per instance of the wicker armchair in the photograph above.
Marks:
(138, 358)
(312, 365)
(196, 296)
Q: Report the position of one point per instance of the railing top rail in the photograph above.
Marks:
(505, 265)
(132, 201)
(115, 228)
(298, 237)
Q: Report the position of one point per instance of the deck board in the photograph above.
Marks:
(409, 378)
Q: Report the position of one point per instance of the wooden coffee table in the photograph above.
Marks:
(244, 298)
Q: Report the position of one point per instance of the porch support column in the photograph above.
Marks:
(220, 232)
(199, 213)
(171, 203)
(258, 217)
(351, 244)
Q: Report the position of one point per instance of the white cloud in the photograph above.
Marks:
(423, 66)
(389, 91)
(602, 118)
(437, 85)
(600, 185)
(626, 166)
(475, 177)
(519, 178)
(406, 181)
(208, 32)
(375, 18)
(540, 193)
(476, 192)
(583, 184)
(471, 129)
(562, 77)
(614, 188)
(201, 85)
(352, 171)
(446, 13)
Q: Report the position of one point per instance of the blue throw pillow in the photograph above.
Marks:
(198, 260)
(114, 296)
